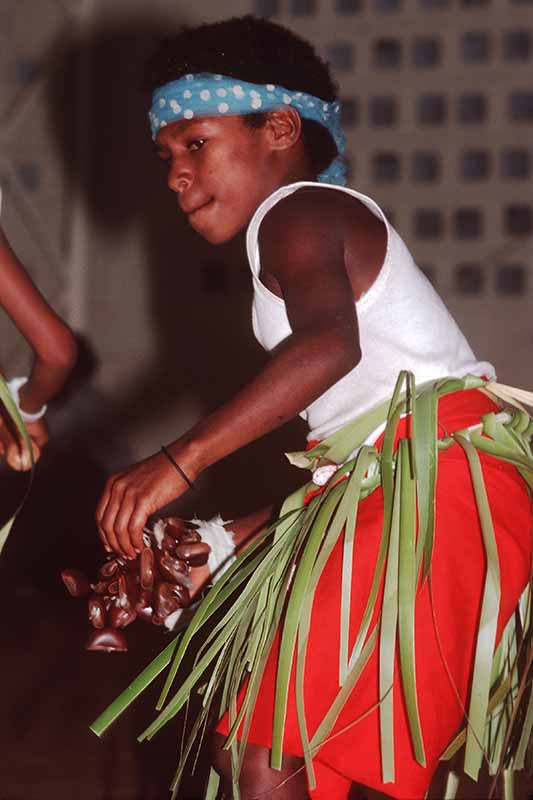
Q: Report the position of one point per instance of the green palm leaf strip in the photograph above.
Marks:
(365, 458)
(227, 630)
(303, 634)
(269, 624)
(387, 483)
(275, 610)
(292, 618)
(214, 681)
(494, 702)
(424, 428)
(508, 784)
(406, 599)
(180, 698)
(513, 645)
(198, 725)
(261, 566)
(234, 680)
(211, 792)
(512, 707)
(499, 719)
(274, 598)
(479, 699)
(321, 734)
(387, 639)
(342, 520)
(526, 733)
(511, 456)
(302, 638)
(141, 682)
(241, 569)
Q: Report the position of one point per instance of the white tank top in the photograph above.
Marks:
(403, 325)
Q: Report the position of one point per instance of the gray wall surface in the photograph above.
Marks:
(86, 207)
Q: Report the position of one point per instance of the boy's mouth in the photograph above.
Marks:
(194, 210)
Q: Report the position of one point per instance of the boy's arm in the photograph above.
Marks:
(306, 259)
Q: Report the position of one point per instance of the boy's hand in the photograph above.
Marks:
(130, 497)
(13, 449)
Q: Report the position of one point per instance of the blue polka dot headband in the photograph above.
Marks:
(207, 95)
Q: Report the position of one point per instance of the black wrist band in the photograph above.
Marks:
(177, 467)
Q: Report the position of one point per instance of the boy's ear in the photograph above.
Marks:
(283, 128)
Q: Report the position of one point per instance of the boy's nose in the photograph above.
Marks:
(179, 179)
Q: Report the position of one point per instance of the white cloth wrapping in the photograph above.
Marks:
(14, 386)
(220, 540)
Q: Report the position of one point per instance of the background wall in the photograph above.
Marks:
(86, 207)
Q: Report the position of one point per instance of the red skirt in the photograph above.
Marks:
(457, 577)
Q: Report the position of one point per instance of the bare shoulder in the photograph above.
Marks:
(300, 232)
(317, 224)
(318, 214)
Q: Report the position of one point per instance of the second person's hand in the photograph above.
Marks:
(14, 449)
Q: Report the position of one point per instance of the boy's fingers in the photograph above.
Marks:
(108, 529)
(121, 526)
(110, 543)
(104, 539)
(101, 508)
(109, 540)
(137, 523)
(111, 524)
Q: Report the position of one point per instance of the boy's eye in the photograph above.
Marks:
(196, 144)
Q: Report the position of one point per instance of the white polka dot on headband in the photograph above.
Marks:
(207, 95)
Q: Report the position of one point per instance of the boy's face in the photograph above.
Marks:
(220, 170)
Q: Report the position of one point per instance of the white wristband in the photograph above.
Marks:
(220, 540)
(14, 386)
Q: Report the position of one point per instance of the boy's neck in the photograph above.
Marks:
(298, 169)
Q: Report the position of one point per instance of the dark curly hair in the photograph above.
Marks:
(254, 50)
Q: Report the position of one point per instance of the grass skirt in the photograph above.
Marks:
(380, 611)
